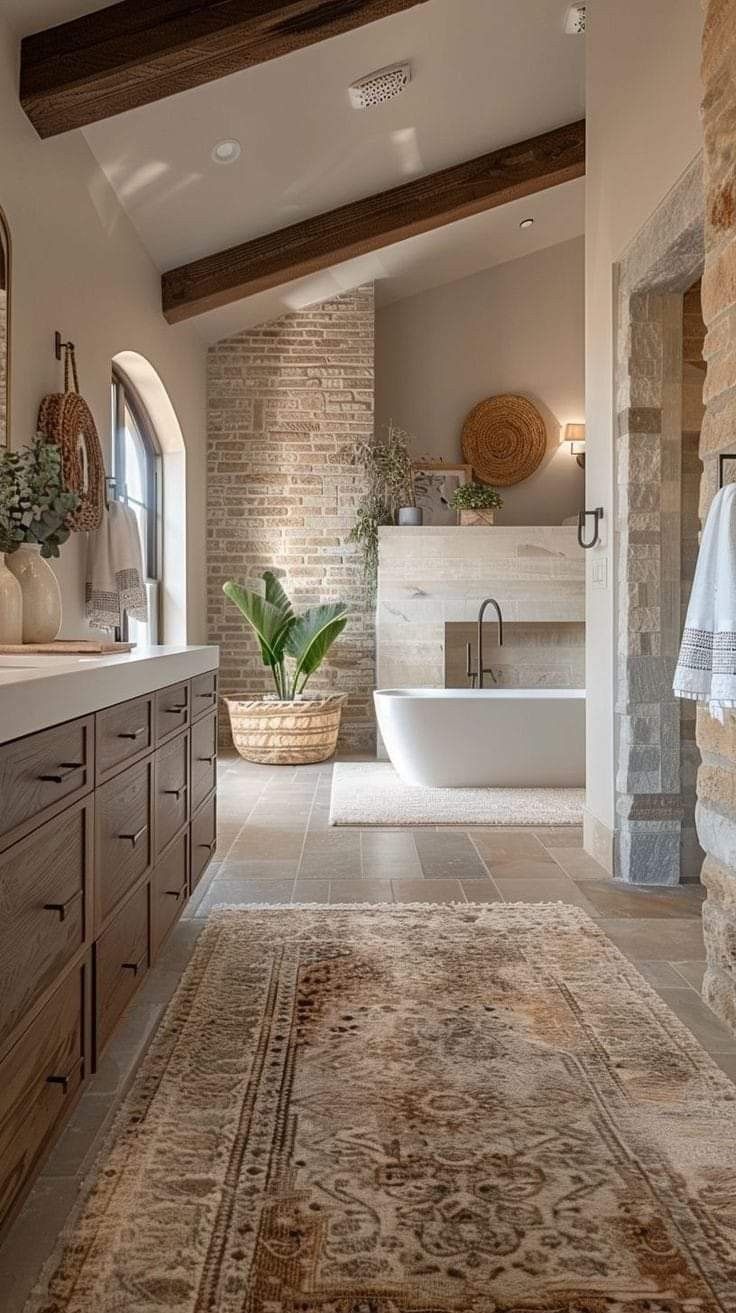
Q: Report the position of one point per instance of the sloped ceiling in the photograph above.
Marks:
(486, 73)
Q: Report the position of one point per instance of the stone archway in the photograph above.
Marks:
(662, 263)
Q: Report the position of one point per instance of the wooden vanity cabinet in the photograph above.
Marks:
(107, 822)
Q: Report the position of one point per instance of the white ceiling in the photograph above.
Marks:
(486, 73)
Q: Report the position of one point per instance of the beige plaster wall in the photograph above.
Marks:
(518, 327)
(643, 98)
(79, 267)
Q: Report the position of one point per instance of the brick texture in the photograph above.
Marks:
(284, 403)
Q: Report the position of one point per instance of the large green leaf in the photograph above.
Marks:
(311, 636)
(275, 594)
(268, 622)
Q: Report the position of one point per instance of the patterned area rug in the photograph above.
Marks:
(371, 793)
(413, 1110)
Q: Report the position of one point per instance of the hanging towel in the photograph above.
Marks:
(115, 578)
(706, 669)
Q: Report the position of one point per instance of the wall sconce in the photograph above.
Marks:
(575, 436)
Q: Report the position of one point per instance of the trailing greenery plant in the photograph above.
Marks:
(34, 504)
(475, 496)
(393, 483)
(305, 639)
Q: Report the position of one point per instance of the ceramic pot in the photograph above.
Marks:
(478, 517)
(11, 605)
(411, 515)
(41, 594)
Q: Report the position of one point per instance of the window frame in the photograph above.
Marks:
(124, 395)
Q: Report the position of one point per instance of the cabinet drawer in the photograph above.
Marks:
(204, 759)
(121, 962)
(204, 838)
(122, 734)
(172, 790)
(204, 694)
(168, 892)
(172, 710)
(42, 773)
(38, 1081)
(123, 841)
(43, 885)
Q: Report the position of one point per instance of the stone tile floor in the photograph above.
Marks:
(275, 845)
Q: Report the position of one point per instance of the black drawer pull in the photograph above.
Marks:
(209, 760)
(209, 846)
(61, 908)
(66, 769)
(176, 711)
(64, 1081)
(134, 966)
(134, 838)
(176, 893)
(176, 793)
(133, 733)
(204, 695)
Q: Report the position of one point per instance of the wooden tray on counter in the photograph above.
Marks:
(65, 647)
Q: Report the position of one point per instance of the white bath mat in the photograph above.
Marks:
(371, 793)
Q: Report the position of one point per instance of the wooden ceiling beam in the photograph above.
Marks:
(375, 222)
(139, 51)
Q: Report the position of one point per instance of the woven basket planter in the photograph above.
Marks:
(286, 733)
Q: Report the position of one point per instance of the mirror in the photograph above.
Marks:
(4, 332)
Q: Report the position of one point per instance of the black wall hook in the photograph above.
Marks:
(597, 517)
(60, 345)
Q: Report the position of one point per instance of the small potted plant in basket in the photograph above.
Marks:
(476, 503)
(290, 728)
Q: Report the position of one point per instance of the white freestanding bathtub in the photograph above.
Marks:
(505, 737)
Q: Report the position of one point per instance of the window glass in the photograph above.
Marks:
(136, 471)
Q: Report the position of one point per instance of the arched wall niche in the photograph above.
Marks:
(140, 374)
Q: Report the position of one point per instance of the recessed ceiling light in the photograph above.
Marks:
(526, 223)
(226, 152)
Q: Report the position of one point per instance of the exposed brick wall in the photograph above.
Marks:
(717, 776)
(285, 400)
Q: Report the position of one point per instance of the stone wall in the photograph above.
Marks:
(717, 776)
(693, 376)
(284, 402)
(653, 837)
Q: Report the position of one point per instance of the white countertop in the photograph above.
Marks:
(39, 691)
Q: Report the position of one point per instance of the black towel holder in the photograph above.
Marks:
(724, 456)
(597, 517)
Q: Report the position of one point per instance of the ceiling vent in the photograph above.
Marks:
(380, 87)
(575, 20)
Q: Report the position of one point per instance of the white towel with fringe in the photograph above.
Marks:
(116, 583)
(706, 668)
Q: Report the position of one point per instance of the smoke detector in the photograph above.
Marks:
(380, 87)
(575, 20)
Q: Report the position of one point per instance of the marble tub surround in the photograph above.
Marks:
(431, 577)
(539, 655)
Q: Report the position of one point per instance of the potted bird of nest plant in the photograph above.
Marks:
(288, 727)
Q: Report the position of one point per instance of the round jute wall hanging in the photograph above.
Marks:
(65, 419)
(504, 438)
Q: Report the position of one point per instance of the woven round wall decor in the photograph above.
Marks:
(504, 438)
(65, 419)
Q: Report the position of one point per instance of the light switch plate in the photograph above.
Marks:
(599, 572)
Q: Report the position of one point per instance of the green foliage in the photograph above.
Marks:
(305, 638)
(34, 504)
(475, 497)
(370, 515)
(393, 483)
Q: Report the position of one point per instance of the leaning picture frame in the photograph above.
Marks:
(435, 482)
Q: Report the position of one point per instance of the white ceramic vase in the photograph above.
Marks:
(11, 605)
(41, 594)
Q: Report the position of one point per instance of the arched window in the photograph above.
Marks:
(137, 481)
